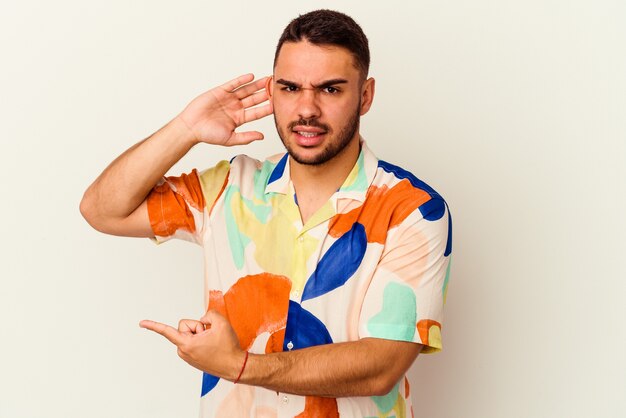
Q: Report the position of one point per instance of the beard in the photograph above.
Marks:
(333, 147)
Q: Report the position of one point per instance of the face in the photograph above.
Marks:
(318, 96)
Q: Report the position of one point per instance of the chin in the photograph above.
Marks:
(306, 157)
(317, 157)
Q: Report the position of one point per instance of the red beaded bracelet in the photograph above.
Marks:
(242, 368)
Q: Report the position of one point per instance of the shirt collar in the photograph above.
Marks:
(278, 181)
(354, 187)
(357, 183)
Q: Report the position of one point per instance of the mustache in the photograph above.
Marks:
(309, 122)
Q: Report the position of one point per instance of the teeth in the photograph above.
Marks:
(307, 134)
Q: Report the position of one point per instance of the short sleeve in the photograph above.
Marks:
(406, 295)
(177, 206)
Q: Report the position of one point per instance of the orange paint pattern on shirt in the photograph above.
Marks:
(383, 209)
(407, 388)
(167, 204)
(189, 187)
(423, 328)
(219, 193)
(275, 342)
(317, 407)
(253, 305)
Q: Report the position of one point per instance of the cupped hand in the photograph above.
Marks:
(214, 116)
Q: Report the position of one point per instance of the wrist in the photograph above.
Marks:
(184, 132)
(242, 369)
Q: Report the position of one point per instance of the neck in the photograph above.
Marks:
(330, 174)
(315, 184)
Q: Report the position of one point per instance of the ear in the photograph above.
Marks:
(269, 87)
(367, 95)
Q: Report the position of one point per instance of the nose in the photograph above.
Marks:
(308, 104)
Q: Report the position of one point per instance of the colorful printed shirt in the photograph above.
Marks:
(372, 262)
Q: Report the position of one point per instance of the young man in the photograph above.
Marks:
(326, 268)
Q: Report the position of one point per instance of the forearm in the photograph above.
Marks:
(369, 367)
(125, 183)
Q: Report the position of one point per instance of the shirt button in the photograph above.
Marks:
(289, 345)
(300, 239)
(296, 294)
(285, 399)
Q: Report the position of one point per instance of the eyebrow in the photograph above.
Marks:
(322, 85)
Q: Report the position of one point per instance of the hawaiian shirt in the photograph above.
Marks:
(372, 262)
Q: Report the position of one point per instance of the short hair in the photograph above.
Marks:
(329, 27)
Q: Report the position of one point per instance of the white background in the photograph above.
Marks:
(514, 110)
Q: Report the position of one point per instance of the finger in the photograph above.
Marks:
(207, 318)
(249, 89)
(241, 138)
(190, 326)
(237, 82)
(168, 332)
(259, 112)
(254, 99)
(211, 315)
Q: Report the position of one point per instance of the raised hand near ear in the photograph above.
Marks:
(214, 116)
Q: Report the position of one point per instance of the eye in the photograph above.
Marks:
(330, 90)
(290, 88)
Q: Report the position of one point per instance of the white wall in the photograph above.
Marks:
(514, 110)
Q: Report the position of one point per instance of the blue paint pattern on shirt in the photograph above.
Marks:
(278, 170)
(339, 263)
(304, 329)
(208, 383)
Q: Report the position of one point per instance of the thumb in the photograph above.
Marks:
(212, 317)
(243, 138)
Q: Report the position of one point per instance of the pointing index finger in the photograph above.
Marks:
(168, 332)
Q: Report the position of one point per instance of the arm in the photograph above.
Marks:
(115, 202)
(368, 367)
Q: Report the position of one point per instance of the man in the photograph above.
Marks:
(326, 269)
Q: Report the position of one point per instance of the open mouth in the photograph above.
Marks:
(308, 134)
(308, 138)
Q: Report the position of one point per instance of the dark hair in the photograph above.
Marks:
(328, 27)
